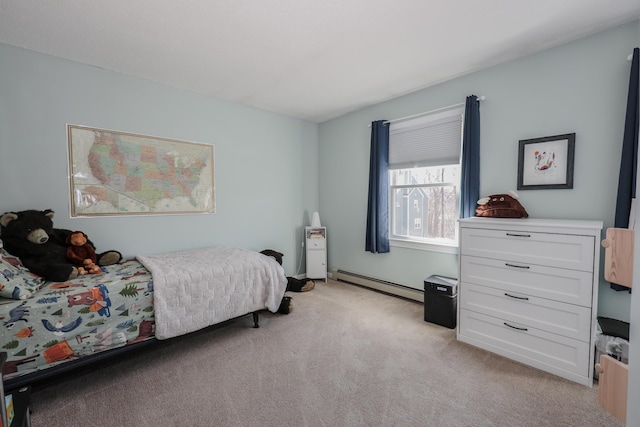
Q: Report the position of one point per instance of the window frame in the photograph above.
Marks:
(428, 244)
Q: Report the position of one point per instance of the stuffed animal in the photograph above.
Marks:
(501, 206)
(30, 236)
(82, 254)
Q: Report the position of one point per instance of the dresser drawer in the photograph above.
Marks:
(568, 320)
(570, 286)
(540, 349)
(316, 243)
(556, 250)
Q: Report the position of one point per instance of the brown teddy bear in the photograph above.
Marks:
(82, 254)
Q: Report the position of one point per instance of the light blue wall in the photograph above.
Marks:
(577, 87)
(268, 178)
(266, 170)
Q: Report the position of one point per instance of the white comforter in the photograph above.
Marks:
(198, 288)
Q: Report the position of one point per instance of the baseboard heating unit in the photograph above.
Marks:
(379, 285)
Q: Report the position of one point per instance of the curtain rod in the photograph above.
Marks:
(480, 98)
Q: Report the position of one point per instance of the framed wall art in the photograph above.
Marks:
(546, 163)
(119, 173)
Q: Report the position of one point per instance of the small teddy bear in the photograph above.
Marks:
(81, 253)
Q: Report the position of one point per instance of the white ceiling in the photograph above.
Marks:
(309, 59)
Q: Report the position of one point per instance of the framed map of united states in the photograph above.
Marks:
(119, 173)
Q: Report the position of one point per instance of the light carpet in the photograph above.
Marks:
(346, 356)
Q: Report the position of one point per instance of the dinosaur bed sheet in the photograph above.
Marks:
(63, 321)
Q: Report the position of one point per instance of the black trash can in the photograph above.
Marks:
(441, 300)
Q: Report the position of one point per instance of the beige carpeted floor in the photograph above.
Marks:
(346, 356)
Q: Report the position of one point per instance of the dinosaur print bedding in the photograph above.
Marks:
(45, 324)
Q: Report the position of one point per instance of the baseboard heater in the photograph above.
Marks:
(379, 285)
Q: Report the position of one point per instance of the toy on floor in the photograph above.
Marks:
(82, 254)
(286, 306)
(30, 236)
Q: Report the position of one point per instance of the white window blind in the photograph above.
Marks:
(432, 140)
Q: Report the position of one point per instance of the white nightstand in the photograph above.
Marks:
(316, 251)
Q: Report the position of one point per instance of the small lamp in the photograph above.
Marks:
(315, 220)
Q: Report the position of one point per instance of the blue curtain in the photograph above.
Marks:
(470, 180)
(377, 240)
(629, 162)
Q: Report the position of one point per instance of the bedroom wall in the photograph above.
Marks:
(266, 170)
(577, 87)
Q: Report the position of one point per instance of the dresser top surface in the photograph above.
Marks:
(537, 223)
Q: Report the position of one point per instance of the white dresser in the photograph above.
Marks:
(529, 289)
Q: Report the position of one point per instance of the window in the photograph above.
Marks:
(424, 181)
(436, 190)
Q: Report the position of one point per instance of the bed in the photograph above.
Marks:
(49, 328)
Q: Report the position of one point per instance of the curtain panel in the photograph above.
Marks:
(629, 161)
(470, 180)
(377, 240)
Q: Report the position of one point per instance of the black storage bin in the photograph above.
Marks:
(441, 300)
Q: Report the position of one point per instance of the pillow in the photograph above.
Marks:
(16, 281)
(501, 206)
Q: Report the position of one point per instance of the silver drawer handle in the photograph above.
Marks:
(517, 297)
(516, 266)
(518, 235)
(515, 327)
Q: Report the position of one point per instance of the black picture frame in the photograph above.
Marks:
(546, 163)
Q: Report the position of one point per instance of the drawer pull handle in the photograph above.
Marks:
(518, 235)
(516, 266)
(517, 297)
(515, 327)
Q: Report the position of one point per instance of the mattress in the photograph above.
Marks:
(58, 322)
